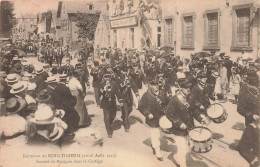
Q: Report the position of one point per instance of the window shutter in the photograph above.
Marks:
(188, 31)
(212, 29)
(168, 38)
(243, 27)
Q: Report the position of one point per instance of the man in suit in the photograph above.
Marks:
(249, 99)
(108, 92)
(199, 99)
(68, 68)
(97, 78)
(150, 107)
(126, 87)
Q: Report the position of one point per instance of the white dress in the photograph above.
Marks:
(235, 84)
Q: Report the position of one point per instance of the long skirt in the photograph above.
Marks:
(80, 107)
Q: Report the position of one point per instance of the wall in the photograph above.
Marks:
(179, 7)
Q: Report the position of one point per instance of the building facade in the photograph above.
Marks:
(228, 26)
(26, 24)
(135, 24)
(67, 15)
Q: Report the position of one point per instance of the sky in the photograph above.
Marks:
(34, 6)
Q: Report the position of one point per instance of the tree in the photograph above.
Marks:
(7, 19)
(87, 24)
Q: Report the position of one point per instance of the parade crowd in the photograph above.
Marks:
(46, 103)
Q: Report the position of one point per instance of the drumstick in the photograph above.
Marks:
(202, 126)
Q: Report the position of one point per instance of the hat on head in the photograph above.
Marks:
(51, 79)
(18, 87)
(215, 74)
(202, 74)
(96, 63)
(27, 76)
(63, 77)
(43, 96)
(184, 83)
(14, 105)
(226, 56)
(180, 68)
(11, 78)
(46, 66)
(38, 69)
(44, 116)
(78, 66)
(153, 82)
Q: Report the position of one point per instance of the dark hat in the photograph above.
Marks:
(153, 82)
(202, 74)
(43, 96)
(14, 105)
(184, 83)
(226, 56)
(96, 63)
(78, 66)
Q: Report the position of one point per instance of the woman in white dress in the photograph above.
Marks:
(77, 90)
(235, 80)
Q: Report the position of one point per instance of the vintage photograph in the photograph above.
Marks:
(129, 83)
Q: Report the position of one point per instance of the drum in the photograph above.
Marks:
(217, 113)
(165, 124)
(200, 139)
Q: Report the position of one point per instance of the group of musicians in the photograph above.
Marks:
(194, 89)
(182, 91)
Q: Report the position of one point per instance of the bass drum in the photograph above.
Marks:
(217, 113)
(165, 124)
(200, 139)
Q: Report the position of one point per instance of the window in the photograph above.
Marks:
(188, 31)
(211, 33)
(90, 7)
(115, 39)
(242, 27)
(132, 39)
(168, 35)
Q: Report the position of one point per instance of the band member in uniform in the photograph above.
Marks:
(68, 68)
(126, 87)
(249, 99)
(151, 108)
(108, 93)
(200, 100)
(180, 115)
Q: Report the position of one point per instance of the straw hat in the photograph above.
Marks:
(18, 87)
(14, 105)
(215, 74)
(43, 96)
(38, 69)
(51, 79)
(11, 78)
(44, 116)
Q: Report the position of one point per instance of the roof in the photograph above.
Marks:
(78, 6)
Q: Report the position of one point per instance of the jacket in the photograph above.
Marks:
(149, 105)
(179, 113)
